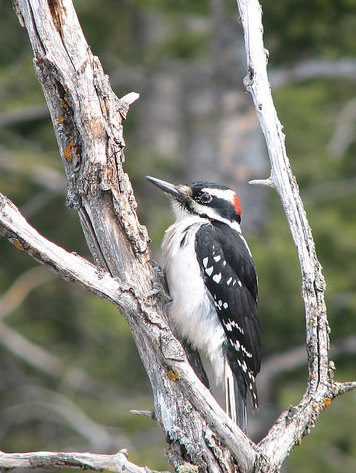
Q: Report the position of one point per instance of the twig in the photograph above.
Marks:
(146, 413)
(117, 463)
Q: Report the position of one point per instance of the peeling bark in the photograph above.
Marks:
(88, 122)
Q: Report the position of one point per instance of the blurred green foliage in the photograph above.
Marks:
(87, 333)
(319, 28)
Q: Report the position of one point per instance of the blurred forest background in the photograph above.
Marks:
(69, 371)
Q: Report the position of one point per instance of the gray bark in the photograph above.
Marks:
(88, 121)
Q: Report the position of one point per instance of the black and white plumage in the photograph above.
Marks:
(213, 284)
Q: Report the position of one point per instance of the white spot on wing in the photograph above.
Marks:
(217, 278)
(205, 262)
(233, 324)
(209, 270)
(217, 258)
(247, 353)
(228, 326)
(225, 305)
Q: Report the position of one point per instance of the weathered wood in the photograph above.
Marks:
(88, 119)
(293, 424)
(117, 463)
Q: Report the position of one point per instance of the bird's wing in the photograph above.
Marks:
(230, 277)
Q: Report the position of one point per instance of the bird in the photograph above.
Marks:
(212, 282)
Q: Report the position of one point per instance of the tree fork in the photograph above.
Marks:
(87, 118)
(88, 122)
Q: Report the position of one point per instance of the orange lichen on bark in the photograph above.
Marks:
(61, 119)
(17, 244)
(68, 154)
(326, 402)
(173, 375)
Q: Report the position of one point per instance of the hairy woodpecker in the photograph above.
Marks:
(213, 284)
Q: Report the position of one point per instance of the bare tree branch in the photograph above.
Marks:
(69, 266)
(296, 422)
(186, 387)
(117, 463)
(87, 119)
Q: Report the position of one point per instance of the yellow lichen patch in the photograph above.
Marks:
(68, 154)
(315, 405)
(68, 151)
(326, 403)
(17, 244)
(61, 119)
(173, 375)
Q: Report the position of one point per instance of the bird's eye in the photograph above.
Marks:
(205, 198)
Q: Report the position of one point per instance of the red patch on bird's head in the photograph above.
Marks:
(236, 203)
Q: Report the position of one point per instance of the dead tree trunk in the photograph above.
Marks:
(88, 121)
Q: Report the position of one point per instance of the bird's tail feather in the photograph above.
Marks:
(235, 399)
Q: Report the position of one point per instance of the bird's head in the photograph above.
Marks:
(205, 199)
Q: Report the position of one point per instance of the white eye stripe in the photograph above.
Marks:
(226, 194)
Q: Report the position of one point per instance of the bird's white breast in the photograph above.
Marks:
(191, 311)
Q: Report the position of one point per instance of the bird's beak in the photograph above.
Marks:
(180, 193)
